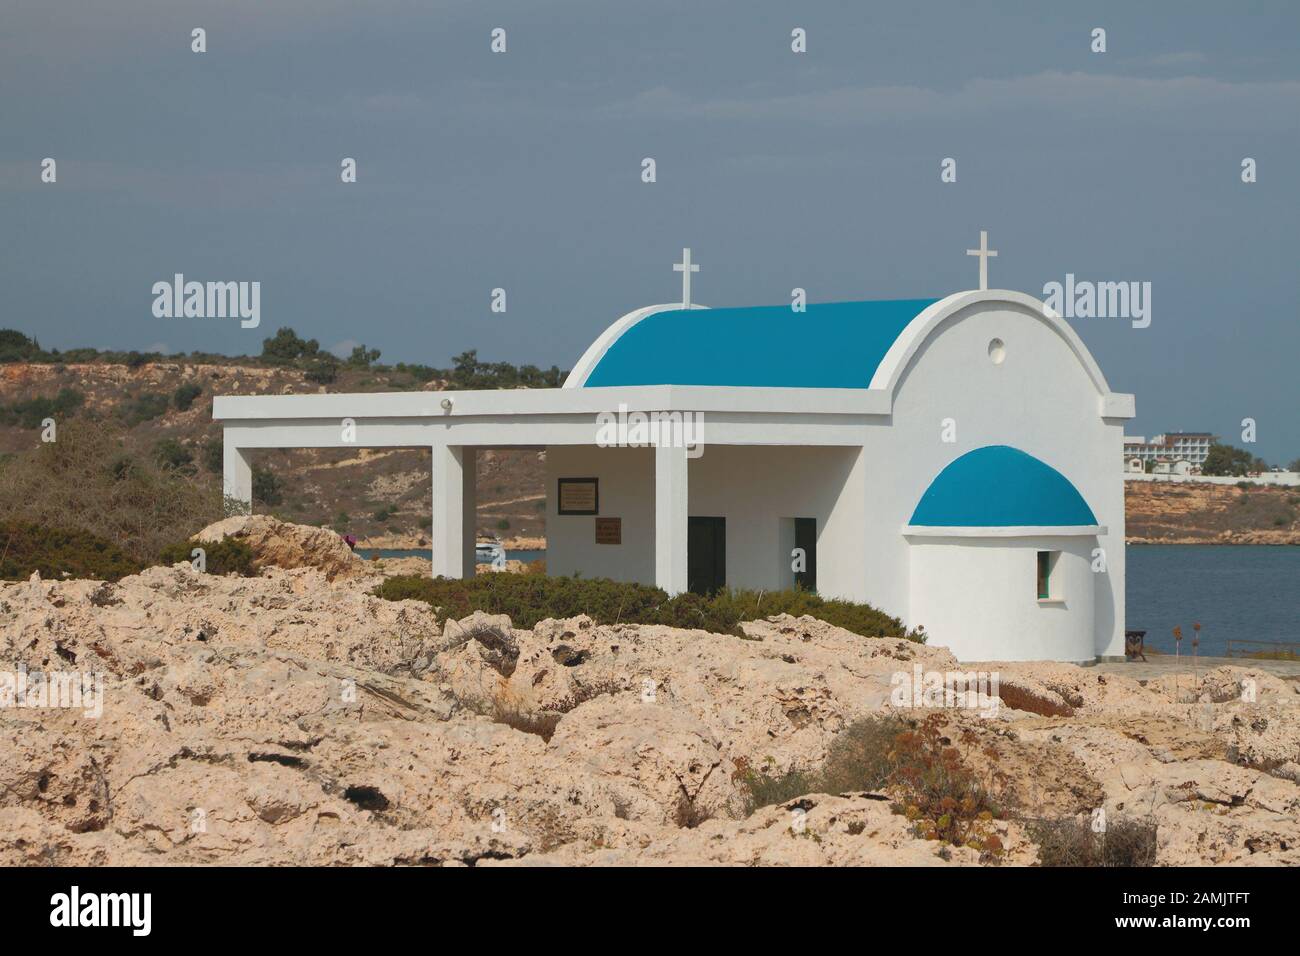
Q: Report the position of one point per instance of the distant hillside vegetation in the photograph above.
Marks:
(159, 407)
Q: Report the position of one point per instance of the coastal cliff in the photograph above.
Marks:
(1203, 513)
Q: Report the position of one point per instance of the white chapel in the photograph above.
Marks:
(949, 461)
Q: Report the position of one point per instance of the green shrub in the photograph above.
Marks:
(534, 597)
(184, 396)
(122, 467)
(421, 373)
(227, 556)
(55, 552)
(323, 371)
(724, 610)
(143, 408)
(213, 455)
(170, 453)
(363, 357)
(286, 347)
(16, 347)
(267, 486)
(31, 412)
(530, 598)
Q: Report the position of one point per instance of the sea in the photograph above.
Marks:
(1242, 592)
(368, 553)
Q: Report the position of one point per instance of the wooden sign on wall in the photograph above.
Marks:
(578, 496)
(609, 530)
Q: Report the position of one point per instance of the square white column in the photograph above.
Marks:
(670, 518)
(452, 534)
(236, 477)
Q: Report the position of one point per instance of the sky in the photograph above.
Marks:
(523, 171)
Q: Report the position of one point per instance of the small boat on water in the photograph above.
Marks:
(490, 552)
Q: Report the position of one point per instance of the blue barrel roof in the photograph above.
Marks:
(1001, 486)
(830, 345)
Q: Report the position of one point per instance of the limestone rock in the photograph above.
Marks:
(297, 719)
(280, 544)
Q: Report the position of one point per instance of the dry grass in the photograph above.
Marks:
(1068, 841)
(87, 480)
(858, 759)
(927, 774)
(688, 815)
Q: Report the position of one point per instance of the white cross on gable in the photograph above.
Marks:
(984, 253)
(686, 267)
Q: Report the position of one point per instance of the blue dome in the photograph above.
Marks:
(831, 345)
(1001, 486)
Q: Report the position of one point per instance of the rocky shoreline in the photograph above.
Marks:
(414, 542)
(293, 718)
(1259, 538)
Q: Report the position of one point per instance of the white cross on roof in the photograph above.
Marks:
(984, 253)
(686, 267)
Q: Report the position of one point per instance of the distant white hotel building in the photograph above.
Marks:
(1169, 449)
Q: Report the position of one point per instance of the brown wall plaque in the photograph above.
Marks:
(609, 530)
(578, 496)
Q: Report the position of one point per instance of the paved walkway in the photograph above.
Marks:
(1157, 665)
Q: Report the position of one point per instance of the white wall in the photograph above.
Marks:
(753, 487)
(1040, 399)
(626, 491)
(979, 597)
(1280, 478)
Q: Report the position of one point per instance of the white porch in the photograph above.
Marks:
(456, 425)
